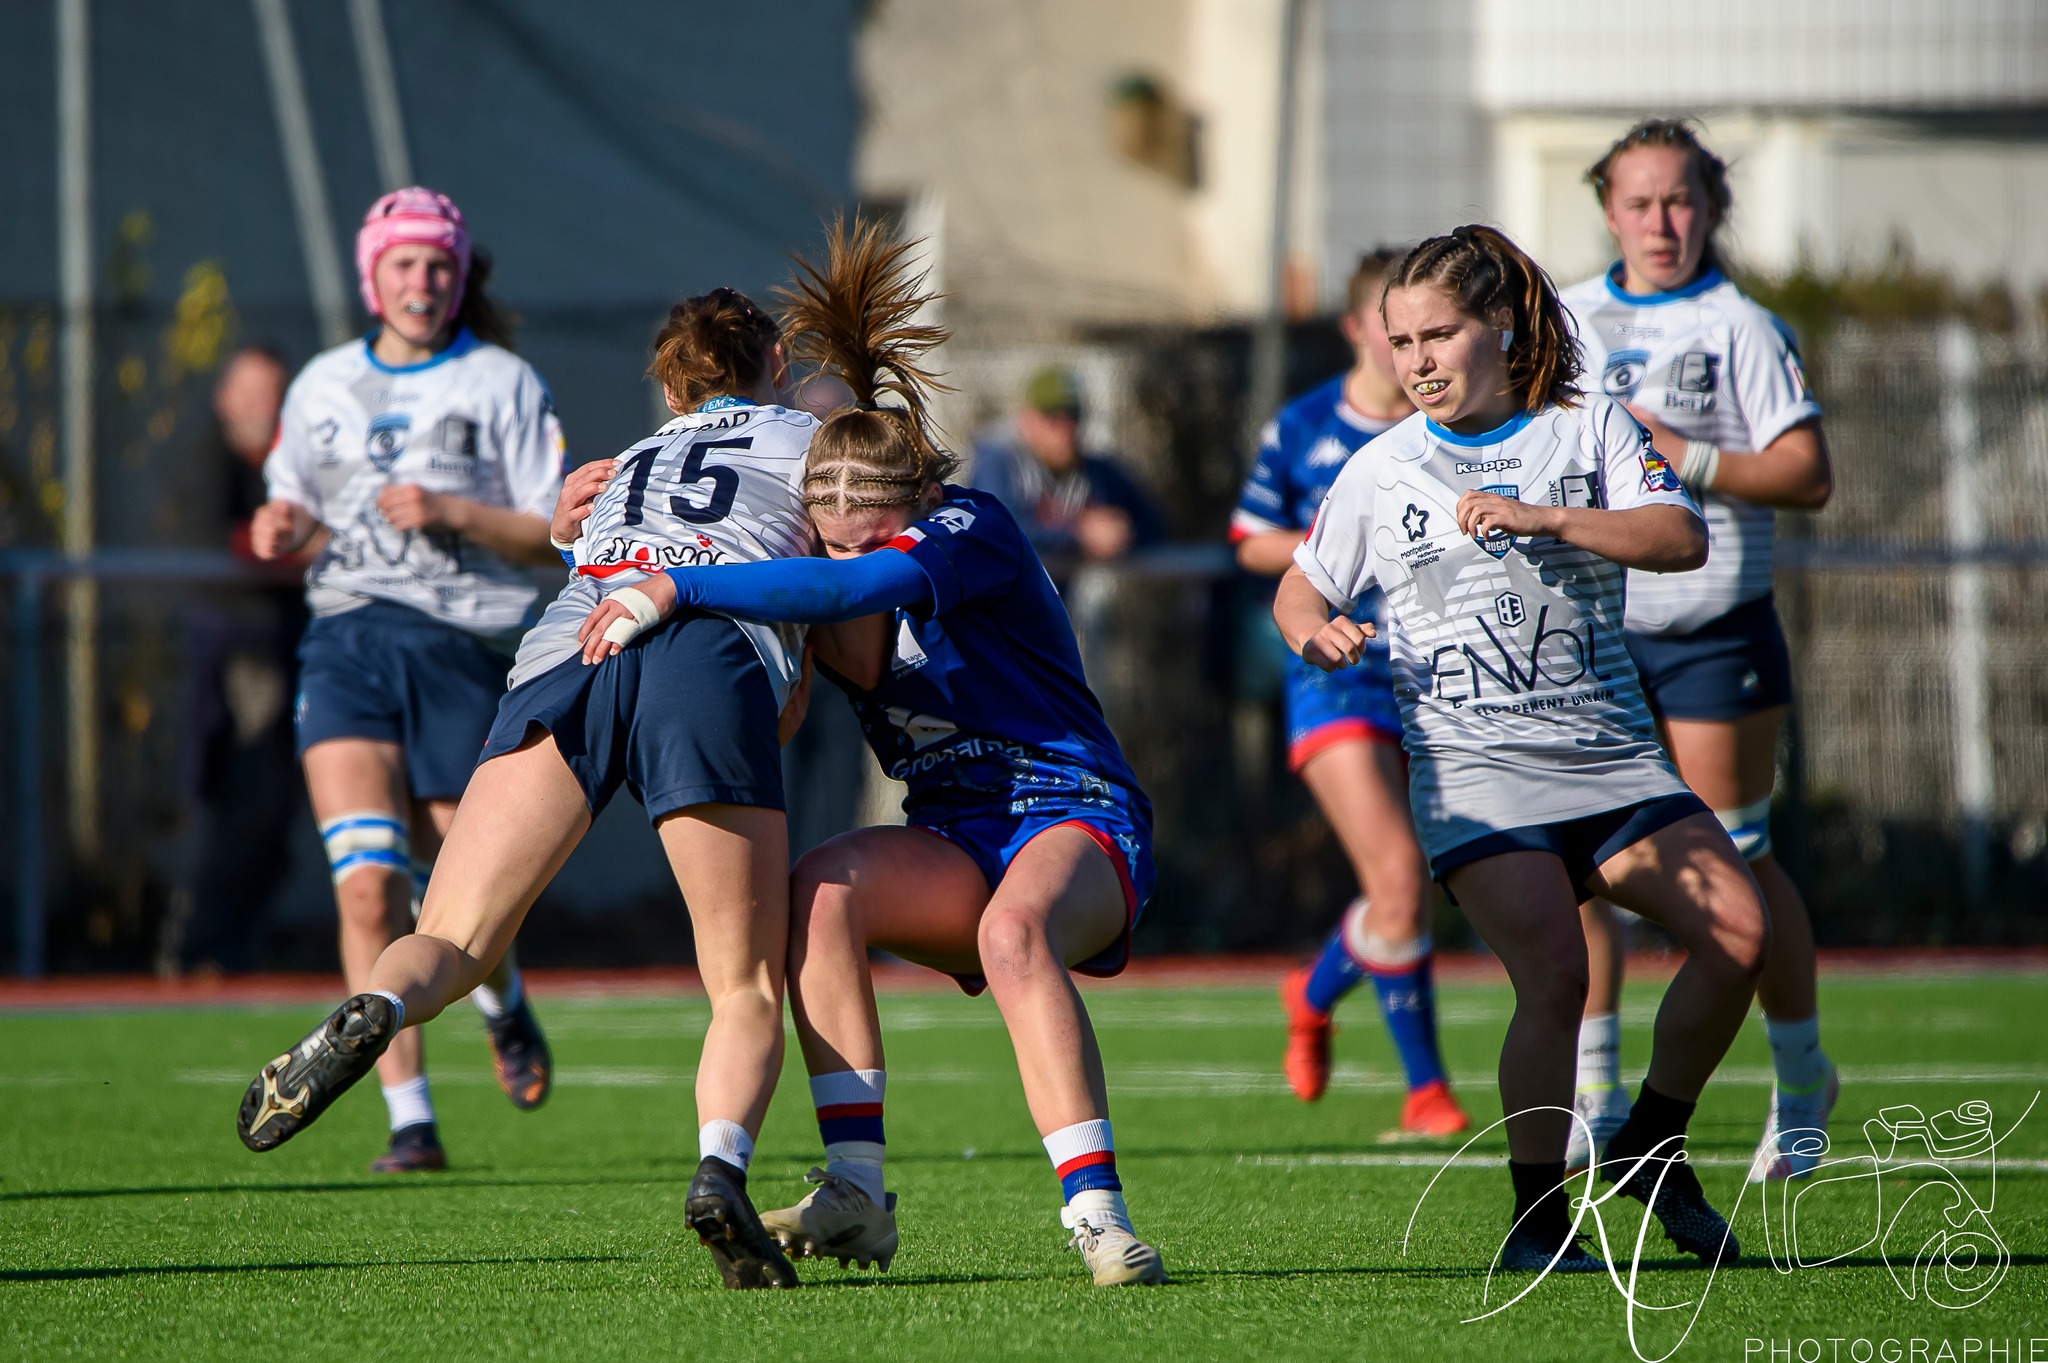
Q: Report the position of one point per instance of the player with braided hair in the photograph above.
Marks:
(1028, 850)
(721, 482)
(1499, 521)
(1717, 380)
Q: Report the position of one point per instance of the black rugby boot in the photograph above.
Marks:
(297, 1087)
(719, 1211)
(519, 1054)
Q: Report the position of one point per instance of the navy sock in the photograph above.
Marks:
(1540, 1192)
(1408, 1002)
(1335, 974)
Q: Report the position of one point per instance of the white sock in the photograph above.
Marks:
(409, 1103)
(494, 1005)
(727, 1140)
(1599, 1052)
(1103, 1207)
(859, 1162)
(397, 1003)
(1796, 1055)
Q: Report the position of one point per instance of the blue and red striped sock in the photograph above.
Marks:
(1084, 1157)
(849, 1106)
(1401, 977)
(1336, 972)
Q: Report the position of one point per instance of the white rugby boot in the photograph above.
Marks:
(1800, 1120)
(1601, 1113)
(1115, 1256)
(836, 1220)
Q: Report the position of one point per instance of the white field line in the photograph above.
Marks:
(1488, 1162)
(1141, 1081)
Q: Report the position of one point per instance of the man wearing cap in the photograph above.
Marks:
(1074, 507)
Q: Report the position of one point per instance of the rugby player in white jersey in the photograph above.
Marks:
(1717, 381)
(1498, 522)
(685, 715)
(431, 456)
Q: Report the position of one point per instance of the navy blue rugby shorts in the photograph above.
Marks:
(397, 675)
(1582, 844)
(684, 715)
(1734, 665)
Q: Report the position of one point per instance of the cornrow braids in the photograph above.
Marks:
(855, 318)
(717, 342)
(1493, 280)
(1678, 134)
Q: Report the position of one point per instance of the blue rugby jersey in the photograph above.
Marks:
(985, 700)
(1301, 452)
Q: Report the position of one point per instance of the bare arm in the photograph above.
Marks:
(279, 529)
(1269, 553)
(857, 650)
(1656, 539)
(516, 536)
(1304, 620)
(1792, 473)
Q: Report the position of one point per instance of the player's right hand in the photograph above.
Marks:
(1337, 645)
(579, 490)
(275, 530)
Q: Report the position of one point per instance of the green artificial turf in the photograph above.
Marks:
(133, 1225)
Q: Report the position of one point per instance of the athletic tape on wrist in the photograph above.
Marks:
(1701, 462)
(646, 615)
(560, 547)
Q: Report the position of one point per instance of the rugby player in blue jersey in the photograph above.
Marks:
(1028, 846)
(1344, 734)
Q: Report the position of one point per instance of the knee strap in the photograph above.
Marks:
(370, 837)
(1750, 827)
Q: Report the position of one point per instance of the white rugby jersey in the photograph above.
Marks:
(715, 486)
(475, 421)
(1713, 366)
(1519, 704)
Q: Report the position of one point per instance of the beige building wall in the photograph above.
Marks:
(995, 118)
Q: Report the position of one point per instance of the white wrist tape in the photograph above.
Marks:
(646, 615)
(568, 548)
(1701, 462)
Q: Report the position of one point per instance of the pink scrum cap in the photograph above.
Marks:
(419, 216)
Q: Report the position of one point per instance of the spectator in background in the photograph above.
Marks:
(242, 780)
(1074, 507)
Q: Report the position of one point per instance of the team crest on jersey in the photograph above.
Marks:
(1657, 474)
(1624, 373)
(954, 518)
(388, 434)
(1498, 542)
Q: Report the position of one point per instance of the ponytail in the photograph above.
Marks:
(1491, 279)
(855, 320)
(717, 342)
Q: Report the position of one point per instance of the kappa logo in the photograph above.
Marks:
(921, 730)
(954, 518)
(389, 432)
(1415, 521)
(1490, 466)
(1328, 450)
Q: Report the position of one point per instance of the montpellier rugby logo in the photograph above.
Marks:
(388, 433)
(1498, 542)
